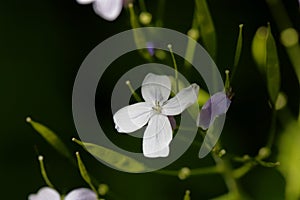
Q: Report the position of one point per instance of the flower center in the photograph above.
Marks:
(157, 108)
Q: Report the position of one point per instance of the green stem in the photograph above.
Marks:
(175, 67)
(206, 170)
(272, 129)
(228, 175)
(194, 172)
(134, 94)
(240, 172)
(43, 172)
(238, 51)
(160, 12)
(84, 174)
(142, 6)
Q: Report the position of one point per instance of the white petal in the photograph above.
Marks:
(157, 137)
(132, 117)
(85, 1)
(45, 193)
(156, 88)
(108, 9)
(162, 153)
(185, 98)
(81, 194)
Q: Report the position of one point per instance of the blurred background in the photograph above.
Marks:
(42, 45)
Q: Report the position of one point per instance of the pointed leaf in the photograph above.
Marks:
(273, 69)
(113, 158)
(259, 51)
(51, 138)
(265, 54)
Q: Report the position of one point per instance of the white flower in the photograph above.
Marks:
(47, 193)
(107, 9)
(155, 111)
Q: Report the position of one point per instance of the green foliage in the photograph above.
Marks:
(289, 148)
(272, 68)
(115, 159)
(51, 138)
(265, 54)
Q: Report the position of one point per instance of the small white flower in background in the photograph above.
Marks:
(47, 193)
(107, 9)
(155, 110)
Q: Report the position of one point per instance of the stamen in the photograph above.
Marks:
(157, 107)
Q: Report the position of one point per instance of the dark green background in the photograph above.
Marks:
(42, 44)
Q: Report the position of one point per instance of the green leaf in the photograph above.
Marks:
(259, 48)
(113, 158)
(273, 69)
(265, 54)
(51, 138)
(206, 26)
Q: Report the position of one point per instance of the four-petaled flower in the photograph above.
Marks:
(217, 105)
(47, 193)
(107, 9)
(155, 110)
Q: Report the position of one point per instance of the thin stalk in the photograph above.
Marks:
(175, 68)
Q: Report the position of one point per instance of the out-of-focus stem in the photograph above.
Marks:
(272, 129)
(160, 12)
(228, 175)
(142, 6)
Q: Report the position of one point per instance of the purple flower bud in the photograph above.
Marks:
(217, 104)
(150, 48)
